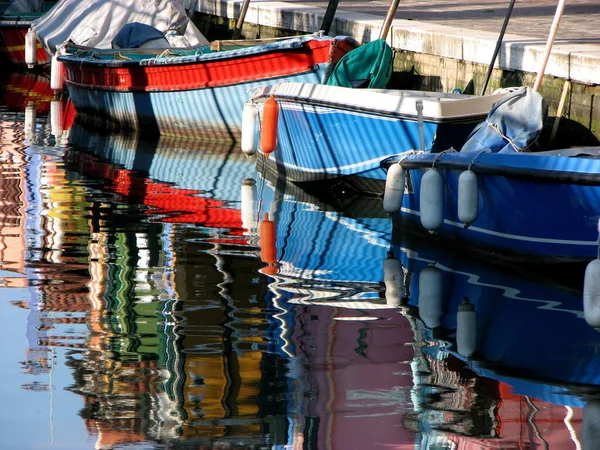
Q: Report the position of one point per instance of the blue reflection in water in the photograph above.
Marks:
(173, 294)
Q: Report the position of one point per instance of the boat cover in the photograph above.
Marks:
(134, 35)
(95, 23)
(512, 125)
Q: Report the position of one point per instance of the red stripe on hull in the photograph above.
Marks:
(177, 77)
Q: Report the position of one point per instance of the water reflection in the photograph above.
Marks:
(519, 345)
(170, 294)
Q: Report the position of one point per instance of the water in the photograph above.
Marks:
(169, 294)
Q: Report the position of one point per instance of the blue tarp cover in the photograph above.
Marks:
(512, 125)
(135, 34)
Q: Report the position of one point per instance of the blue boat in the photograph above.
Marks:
(542, 205)
(510, 324)
(500, 197)
(341, 134)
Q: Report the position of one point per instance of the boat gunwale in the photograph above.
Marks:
(548, 174)
(361, 106)
(291, 45)
(382, 112)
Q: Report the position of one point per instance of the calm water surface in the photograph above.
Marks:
(167, 294)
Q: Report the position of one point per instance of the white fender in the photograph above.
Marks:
(431, 307)
(466, 330)
(393, 277)
(432, 200)
(30, 48)
(249, 117)
(591, 294)
(394, 189)
(56, 74)
(30, 118)
(468, 197)
(249, 213)
(56, 118)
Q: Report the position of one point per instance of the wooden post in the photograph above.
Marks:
(329, 15)
(387, 23)
(240, 21)
(498, 44)
(561, 107)
(553, 29)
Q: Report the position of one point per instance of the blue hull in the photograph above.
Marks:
(316, 143)
(530, 333)
(210, 112)
(540, 205)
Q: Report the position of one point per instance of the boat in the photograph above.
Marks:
(498, 196)
(337, 132)
(15, 22)
(151, 69)
(198, 92)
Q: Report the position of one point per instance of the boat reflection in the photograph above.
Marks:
(521, 339)
(179, 180)
(315, 252)
(30, 93)
(22, 88)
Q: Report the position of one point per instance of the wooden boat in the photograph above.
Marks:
(342, 134)
(524, 205)
(193, 91)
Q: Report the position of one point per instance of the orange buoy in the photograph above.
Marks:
(267, 232)
(268, 134)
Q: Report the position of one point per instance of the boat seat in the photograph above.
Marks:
(368, 66)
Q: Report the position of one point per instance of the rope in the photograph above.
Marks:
(487, 150)
(509, 140)
(439, 155)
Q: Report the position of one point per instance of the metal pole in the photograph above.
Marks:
(553, 29)
(329, 14)
(498, 44)
(388, 19)
(240, 21)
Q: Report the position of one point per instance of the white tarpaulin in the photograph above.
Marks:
(94, 23)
